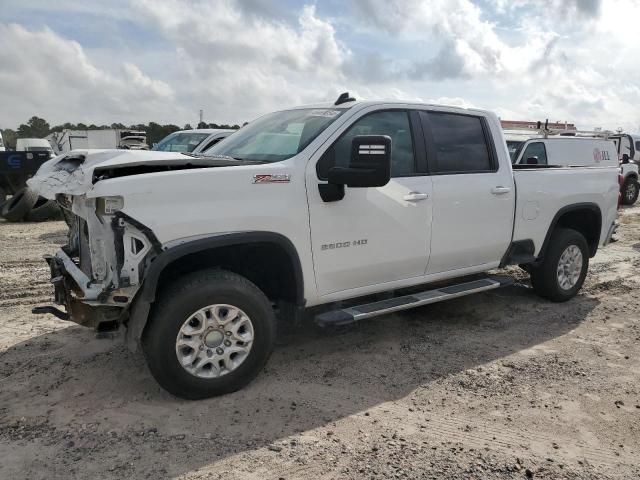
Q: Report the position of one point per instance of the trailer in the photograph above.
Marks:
(16, 168)
(67, 140)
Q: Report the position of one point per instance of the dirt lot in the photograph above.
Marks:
(497, 385)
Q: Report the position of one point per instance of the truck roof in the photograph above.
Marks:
(42, 142)
(566, 138)
(368, 103)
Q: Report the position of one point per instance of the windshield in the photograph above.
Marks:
(180, 142)
(514, 148)
(276, 136)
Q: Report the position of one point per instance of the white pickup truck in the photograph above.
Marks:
(199, 256)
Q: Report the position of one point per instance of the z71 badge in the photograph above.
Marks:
(333, 246)
(272, 178)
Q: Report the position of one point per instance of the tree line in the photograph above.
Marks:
(38, 127)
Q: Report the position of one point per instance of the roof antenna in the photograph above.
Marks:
(344, 98)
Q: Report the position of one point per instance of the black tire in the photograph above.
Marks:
(630, 191)
(17, 207)
(178, 303)
(3, 196)
(544, 276)
(44, 210)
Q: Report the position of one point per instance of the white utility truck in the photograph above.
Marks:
(199, 257)
(68, 140)
(579, 150)
(567, 151)
(628, 146)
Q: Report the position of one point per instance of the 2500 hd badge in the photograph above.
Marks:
(333, 246)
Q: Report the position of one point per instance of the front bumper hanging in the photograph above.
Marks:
(66, 276)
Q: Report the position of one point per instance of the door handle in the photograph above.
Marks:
(415, 196)
(500, 190)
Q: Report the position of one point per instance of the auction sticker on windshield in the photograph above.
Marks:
(324, 113)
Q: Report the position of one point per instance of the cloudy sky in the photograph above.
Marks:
(136, 61)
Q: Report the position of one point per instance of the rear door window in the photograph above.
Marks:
(460, 143)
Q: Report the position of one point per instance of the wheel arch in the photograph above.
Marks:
(244, 253)
(585, 218)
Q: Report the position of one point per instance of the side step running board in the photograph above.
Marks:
(369, 310)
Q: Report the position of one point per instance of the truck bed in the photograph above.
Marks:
(543, 191)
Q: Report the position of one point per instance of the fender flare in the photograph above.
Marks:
(141, 305)
(224, 240)
(566, 209)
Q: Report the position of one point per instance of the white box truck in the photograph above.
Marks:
(68, 140)
(34, 145)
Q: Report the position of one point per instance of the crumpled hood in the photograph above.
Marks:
(73, 173)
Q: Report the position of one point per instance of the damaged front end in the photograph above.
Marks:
(97, 274)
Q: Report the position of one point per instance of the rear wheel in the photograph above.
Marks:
(562, 272)
(211, 334)
(629, 191)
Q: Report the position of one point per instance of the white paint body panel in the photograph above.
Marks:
(546, 191)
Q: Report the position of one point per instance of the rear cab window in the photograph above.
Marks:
(458, 143)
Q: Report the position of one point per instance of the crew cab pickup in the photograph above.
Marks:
(200, 256)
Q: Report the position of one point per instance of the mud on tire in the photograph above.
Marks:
(545, 277)
(630, 191)
(177, 304)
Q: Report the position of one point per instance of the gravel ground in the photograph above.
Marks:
(495, 385)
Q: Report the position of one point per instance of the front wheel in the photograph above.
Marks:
(629, 191)
(562, 272)
(210, 334)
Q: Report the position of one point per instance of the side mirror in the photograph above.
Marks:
(532, 161)
(370, 164)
